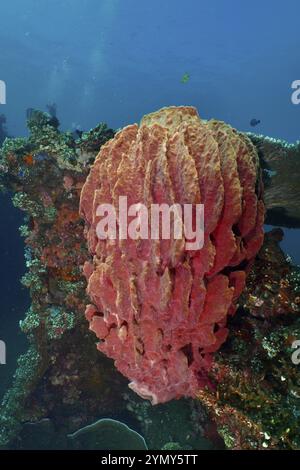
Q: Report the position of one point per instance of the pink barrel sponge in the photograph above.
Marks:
(159, 310)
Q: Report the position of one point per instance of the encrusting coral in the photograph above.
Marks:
(159, 309)
(45, 173)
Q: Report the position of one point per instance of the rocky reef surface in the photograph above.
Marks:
(63, 384)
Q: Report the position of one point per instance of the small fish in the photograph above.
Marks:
(254, 122)
(185, 78)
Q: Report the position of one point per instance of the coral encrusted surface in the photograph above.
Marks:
(248, 397)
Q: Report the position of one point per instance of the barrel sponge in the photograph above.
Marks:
(159, 310)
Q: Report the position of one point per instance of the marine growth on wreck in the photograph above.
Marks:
(216, 326)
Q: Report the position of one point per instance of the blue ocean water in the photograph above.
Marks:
(116, 60)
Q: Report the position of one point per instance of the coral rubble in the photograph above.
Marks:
(159, 309)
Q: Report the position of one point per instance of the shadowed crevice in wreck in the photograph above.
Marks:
(280, 162)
